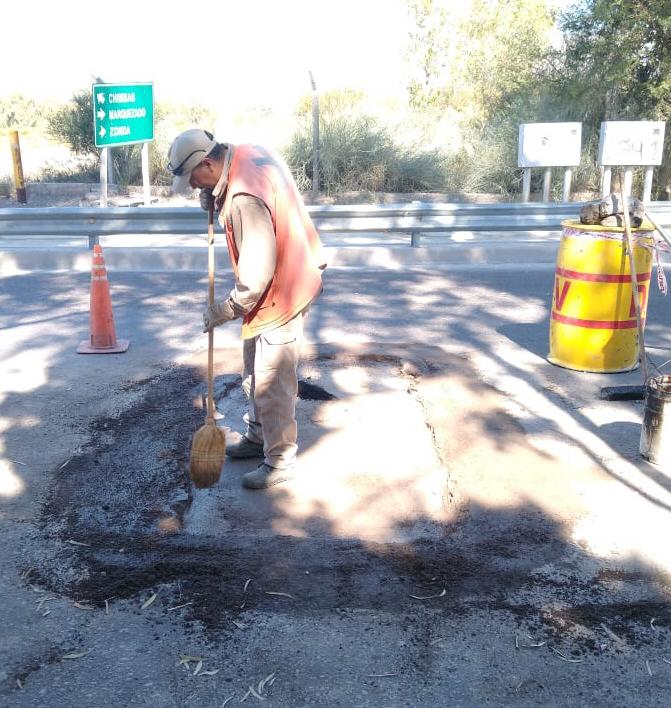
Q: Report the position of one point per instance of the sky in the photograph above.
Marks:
(231, 56)
(250, 51)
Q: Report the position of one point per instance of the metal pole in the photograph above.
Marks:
(568, 176)
(647, 185)
(526, 184)
(628, 179)
(605, 182)
(315, 137)
(19, 183)
(145, 174)
(110, 167)
(103, 176)
(547, 183)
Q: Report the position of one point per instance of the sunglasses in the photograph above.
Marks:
(179, 170)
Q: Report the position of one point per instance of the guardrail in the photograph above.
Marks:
(416, 218)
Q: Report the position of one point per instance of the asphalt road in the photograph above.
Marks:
(546, 582)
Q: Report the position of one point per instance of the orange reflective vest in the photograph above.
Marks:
(299, 258)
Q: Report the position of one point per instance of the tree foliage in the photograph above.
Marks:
(72, 124)
(473, 56)
(618, 58)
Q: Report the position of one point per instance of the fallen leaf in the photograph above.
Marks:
(42, 600)
(227, 700)
(80, 606)
(199, 666)
(239, 625)
(209, 673)
(647, 666)
(666, 661)
(256, 695)
(179, 607)
(16, 462)
(380, 675)
(48, 612)
(78, 543)
(64, 464)
(148, 602)
(19, 684)
(610, 633)
(564, 657)
(281, 594)
(429, 597)
(186, 658)
(262, 684)
(77, 655)
(247, 585)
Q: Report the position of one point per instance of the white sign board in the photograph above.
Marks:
(549, 144)
(631, 142)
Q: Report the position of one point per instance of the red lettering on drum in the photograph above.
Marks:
(559, 298)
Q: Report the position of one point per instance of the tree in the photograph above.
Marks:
(617, 66)
(471, 57)
(618, 58)
(72, 124)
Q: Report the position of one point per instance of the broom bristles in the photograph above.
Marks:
(208, 452)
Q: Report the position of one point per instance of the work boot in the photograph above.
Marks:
(244, 448)
(266, 476)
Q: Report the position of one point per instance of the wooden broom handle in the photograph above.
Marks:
(210, 299)
(634, 281)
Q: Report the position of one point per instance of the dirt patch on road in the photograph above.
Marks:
(502, 545)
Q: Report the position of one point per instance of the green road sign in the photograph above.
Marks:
(123, 114)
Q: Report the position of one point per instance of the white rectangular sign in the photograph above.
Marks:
(630, 143)
(549, 144)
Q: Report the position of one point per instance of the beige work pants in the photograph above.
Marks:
(269, 381)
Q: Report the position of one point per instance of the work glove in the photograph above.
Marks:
(217, 314)
(206, 198)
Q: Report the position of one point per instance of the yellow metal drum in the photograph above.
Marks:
(593, 321)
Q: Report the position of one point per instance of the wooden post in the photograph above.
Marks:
(103, 176)
(315, 137)
(547, 183)
(526, 184)
(19, 183)
(145, 174)
(568, 176)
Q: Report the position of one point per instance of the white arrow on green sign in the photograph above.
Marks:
(123, 114)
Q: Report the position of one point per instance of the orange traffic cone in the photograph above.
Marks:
(103, 335)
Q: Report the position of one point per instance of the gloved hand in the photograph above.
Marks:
(206, 198)
(217, 314)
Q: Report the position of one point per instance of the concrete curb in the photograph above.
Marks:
(16, 259)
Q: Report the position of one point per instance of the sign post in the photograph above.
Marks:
(630, 143)
(548, 145)
(123, 114)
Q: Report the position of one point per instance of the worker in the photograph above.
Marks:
(277, 260)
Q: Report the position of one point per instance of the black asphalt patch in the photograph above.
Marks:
(108, 502)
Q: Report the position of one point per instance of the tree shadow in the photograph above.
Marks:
(513, 559)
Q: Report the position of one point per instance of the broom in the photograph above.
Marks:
(208, 448)
(630, 393)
